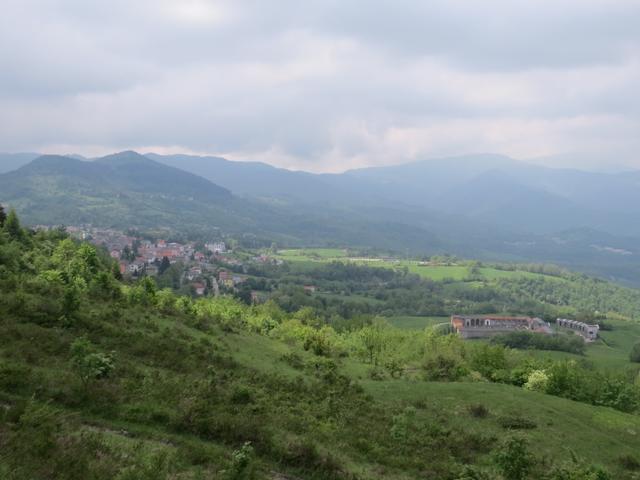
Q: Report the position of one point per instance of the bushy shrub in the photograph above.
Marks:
(524, 340)
(538, 381)
(488, 359)
(444, 367)
(293, 360)
(242, 463)
(14, 377)
(513, 459)
(634, 355)
(629, 462)
(304, 455)
(576, 471)
(478, 410)
(88, 362)
(516, 422)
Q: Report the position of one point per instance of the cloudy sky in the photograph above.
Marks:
(324, 85)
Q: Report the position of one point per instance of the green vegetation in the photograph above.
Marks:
(350, 287)
(417, 323)
(101, 379)
(563, 343)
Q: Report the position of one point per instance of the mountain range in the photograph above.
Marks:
(483, 206)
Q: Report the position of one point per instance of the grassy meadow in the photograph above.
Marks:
(306, 258)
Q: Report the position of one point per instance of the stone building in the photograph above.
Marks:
(587, 331)
(485, 326)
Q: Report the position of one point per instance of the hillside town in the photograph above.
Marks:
(208, 268)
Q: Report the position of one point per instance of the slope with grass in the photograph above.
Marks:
(102, 380)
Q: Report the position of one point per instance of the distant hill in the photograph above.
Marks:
(131, 190)
(488, 207)
(490, 188)
(121, 189)
(260, 180)
(500, 190)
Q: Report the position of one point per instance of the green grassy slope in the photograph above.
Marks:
(102, 380)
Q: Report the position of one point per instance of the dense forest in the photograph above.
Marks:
(102, 378)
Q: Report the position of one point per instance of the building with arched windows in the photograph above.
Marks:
(484, 326)
(587, 331)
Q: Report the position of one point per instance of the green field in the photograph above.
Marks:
(416, 323)
(611, 351)
(312, 254)
(306, 258)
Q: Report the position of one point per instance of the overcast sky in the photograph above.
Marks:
(326, 85)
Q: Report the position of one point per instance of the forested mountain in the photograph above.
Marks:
(255, 179)
(492, 188)
(116, 190)
(128, 190)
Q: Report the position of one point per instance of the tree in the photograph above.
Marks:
(3, 216)
(374, 340)
(164, 265)
(634, 356)
(127, 254)
(12, 226)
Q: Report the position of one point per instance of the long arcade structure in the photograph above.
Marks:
(485, 326)
(587, 331)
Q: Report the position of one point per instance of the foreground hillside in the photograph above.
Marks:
(100, 379)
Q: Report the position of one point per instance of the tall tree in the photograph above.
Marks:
(12, 225)
(164, 265)
(3, 216)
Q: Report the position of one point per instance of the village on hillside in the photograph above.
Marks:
(205, 269)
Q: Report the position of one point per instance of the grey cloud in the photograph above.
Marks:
(319, 84)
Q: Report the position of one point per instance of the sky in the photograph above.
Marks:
(324, 86)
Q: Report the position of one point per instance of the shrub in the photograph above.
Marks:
(473, 473)
(242, 463)
(629, 462)
(40, 444)
(575, 471)
(305, 455)
(293, 359)
(442, 366)
(376, 373)
(538, 381)
(478, 410)
(241, 395)
(634, 356)
(522, 339)
(88, 363)
(488, 359)
(514, 422)
(513, 459)
(14, 377)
